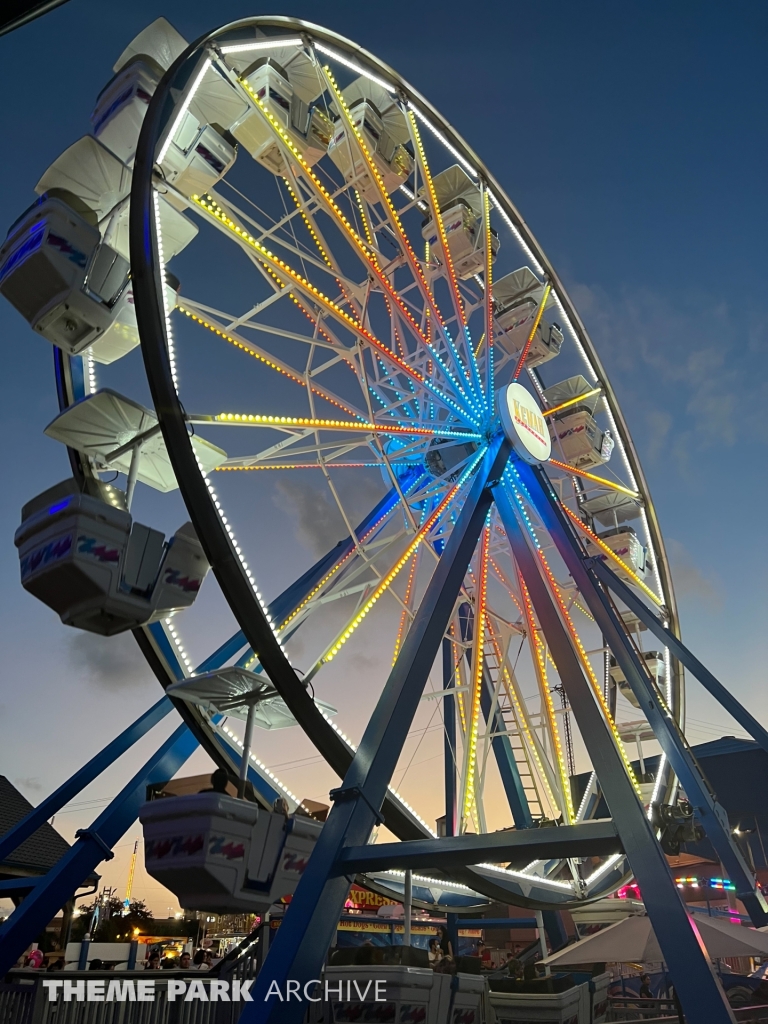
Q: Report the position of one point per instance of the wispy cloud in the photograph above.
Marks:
(691, 367)
(33, 783)
(690, 583)
(319, 521)
(114, 662)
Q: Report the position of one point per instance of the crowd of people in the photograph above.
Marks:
(442, 959)
(201, 960)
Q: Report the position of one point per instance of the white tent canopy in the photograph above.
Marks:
(633, 941)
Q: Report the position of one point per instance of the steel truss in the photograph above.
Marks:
(488, 503)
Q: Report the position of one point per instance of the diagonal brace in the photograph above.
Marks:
(678, 650)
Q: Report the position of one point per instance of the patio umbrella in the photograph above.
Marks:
(633, 941)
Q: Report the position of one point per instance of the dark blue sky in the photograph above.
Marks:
(632, 138)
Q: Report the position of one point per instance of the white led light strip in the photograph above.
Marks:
(516, 232)
(262, 767)
(170, 630)
(90, 374)
(262, 44)
(451, 149)
(354, 67)
(183, 109)
(164, 291)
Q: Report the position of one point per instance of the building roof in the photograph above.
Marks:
(41, 851)
(725, 745)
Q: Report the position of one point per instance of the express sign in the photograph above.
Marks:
(523, 424)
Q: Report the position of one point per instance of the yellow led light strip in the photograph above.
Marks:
(314, 293)
(271, 362)
(478, 662)
(329, 575)
(437, 217)
(255, 420)
(571, 401)
(370, 258)
(592, 476)
(521, 716)
(583, 658)
(612, 555)
(387, 202)
(541, 672)
(390, 576)
(406, 601)
(532, 335)
(489, 332)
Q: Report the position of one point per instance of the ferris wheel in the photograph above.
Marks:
(358, 304)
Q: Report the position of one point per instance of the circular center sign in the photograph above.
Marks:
(523, 423)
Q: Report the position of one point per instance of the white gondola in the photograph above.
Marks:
(83, 556)
(612, 508)
(288, 92)
(64, 264)
(460, 206)
(381, 123)
(224, 855)
(576, 436)
(197, 158)
(67, 284)
(624, 543)
(516, 300)
(654, 662)
(123, 102)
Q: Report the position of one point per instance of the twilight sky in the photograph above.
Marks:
(632, 138)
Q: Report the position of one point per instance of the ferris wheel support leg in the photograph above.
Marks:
(309, 926)
(711, 814)
(90, 849)
(678, 650)
(702, 997)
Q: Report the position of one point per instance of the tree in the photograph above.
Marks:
(113, 925)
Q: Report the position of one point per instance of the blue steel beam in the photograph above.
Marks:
(587, 839)
(712, 815)
(702, 997)
(678, 650)
(28, 825)
(18, 886)
(449, 738)
(309, 926)
(92, 846)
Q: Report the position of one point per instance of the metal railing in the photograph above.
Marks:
(662, 1011)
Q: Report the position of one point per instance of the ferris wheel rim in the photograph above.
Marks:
(139, 245)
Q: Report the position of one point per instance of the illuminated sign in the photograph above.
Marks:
(523, 424)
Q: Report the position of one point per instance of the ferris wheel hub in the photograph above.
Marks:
(524, 424)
